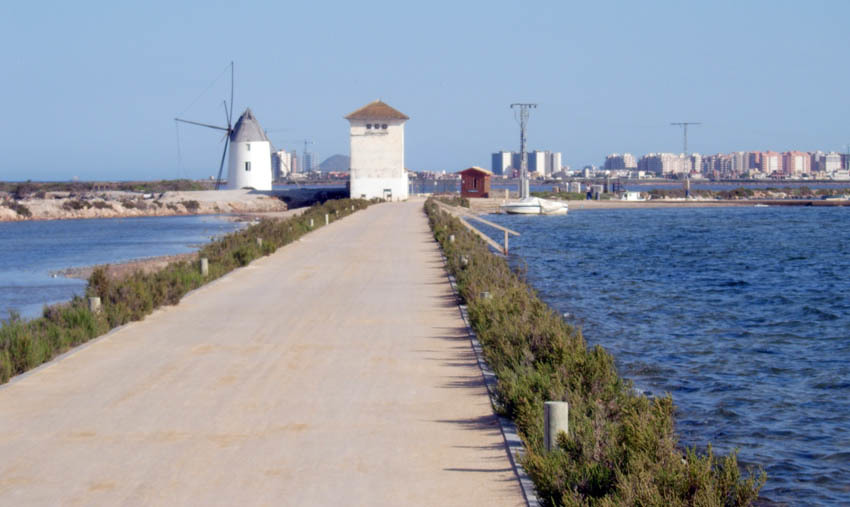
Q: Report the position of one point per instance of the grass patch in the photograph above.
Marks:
(621, 449)
(25, 344)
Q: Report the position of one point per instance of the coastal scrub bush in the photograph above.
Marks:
(24, 344)
(192, 206)
(454, 200)
(102, 205)
(19, 208)
(622, 448)
(76, 205)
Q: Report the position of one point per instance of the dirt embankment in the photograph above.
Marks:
(115, 204)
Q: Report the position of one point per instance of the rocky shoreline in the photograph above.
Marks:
(120, 204)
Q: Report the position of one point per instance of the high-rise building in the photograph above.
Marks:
(553, 165)
(795, 163)
(665, 164)
(832, 162)
(281, 164)
(537, 162)
(740, 164)
(311, 161)
(501, 163)
(771, 162)
(617, 161)
(540, 163)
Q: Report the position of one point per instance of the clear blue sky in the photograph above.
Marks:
(90, 89)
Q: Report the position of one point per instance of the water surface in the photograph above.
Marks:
(743, 314)
(31, 251)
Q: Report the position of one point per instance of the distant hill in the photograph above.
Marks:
(335, 163)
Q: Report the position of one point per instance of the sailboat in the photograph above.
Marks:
(535, 206)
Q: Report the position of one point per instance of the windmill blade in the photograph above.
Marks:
(221, 165)
(202, 124)
(230, 118)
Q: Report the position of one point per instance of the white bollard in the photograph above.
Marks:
(555, 420)
(311, 223)
(260, 242)
(94, 304)
(205, 266)
(326, 219)
(451, 238)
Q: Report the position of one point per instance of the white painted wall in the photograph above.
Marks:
(377, 159)
(258, 153)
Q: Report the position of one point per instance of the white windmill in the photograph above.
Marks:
(250, 163)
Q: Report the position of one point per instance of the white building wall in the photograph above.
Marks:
(250, 166)
(377, 160)
(555, 165)
(832, 162)
(537, 162)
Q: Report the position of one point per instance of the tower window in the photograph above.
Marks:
(248, 146)
(384, 126)
(368, 125)
(248, 166)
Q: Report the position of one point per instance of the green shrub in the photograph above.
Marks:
(192, 206)
(102, 205)
(75, 205)
(622, 449)
(19, 208)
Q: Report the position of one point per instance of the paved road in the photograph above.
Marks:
(334, 372)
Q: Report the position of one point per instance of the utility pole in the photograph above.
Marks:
(684, 125)
(521, 114)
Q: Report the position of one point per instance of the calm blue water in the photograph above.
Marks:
(743, 314)
(30, 251)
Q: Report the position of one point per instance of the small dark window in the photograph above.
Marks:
(248, 146)
(384, 126)
(368, 125)
(248, 165)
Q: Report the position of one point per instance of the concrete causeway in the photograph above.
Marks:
(335, 372)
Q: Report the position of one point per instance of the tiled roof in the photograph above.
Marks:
(377, 111)
(477, 169)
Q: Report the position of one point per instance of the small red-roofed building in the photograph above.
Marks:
(475, 182)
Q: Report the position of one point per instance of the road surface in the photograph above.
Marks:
(334, 372)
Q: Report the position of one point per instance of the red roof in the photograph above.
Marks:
(377, 111)
(476, 169)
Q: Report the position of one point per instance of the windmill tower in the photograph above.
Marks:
(250, 163)
(377, 152)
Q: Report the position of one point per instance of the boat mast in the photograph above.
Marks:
(522, 118)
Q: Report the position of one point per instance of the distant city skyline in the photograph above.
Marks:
(92, 90)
